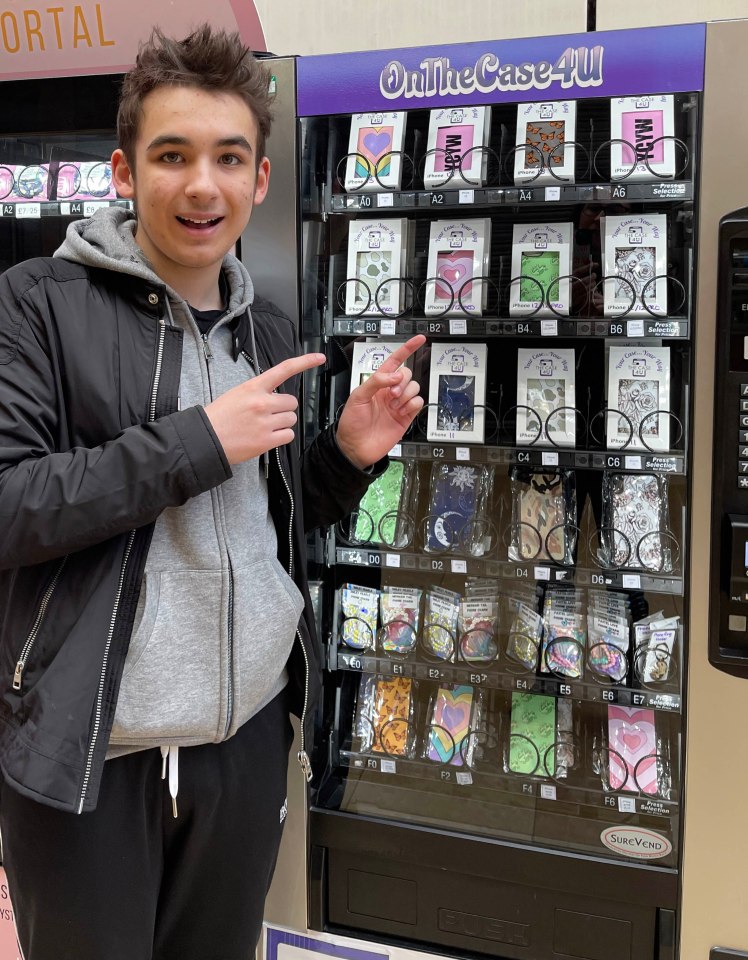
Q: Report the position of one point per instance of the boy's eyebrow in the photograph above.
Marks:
(171, 139)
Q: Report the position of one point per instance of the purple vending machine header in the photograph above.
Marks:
(616, 63)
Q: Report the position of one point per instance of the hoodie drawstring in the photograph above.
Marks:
(170, 757)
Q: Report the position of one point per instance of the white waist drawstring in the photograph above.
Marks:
(170, 755)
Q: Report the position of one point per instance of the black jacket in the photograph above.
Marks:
(92, 449)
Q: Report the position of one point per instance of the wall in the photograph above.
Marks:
(335, 26)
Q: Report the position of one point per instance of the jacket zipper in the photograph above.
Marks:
(120, 585)
(34, 632)
(230, 625)
(302, 756)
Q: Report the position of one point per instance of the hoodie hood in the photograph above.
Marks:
(107, 241)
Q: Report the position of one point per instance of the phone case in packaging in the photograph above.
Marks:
(637, 758)
(546, 397)
(454, 714)
(456, 150)
(646, 124)
(383, 515)
(459, 252)
(378, 254)
(635, 522)
(546, 131)
(564, 634)
(638, 398)
(440, 618)
(541, 264)
(359, 606)
(635, 254)
(532, 735)
(368, 357)
(459, 500)
(457, 392)
(399, 609)
(383, 721)
(375, 161)
(544, 516)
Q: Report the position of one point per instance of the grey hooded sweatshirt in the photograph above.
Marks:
(217, 613)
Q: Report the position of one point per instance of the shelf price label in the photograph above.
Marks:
(549, 328)
(635, 328)
(28, 211)
(459, 566)
(388, 328)
(388, 766)
(547, 790)
(385, 200)
(91, 206)
(553, 193)
(392, 559)
(467, 196)
(626, 805)
(631, 581)
(464, 779)
(458, 326)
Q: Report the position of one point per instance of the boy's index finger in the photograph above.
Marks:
(399, 356)
(277, 375)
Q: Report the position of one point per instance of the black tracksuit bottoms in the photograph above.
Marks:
(129, 881)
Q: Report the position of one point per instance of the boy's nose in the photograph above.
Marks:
(202, 181)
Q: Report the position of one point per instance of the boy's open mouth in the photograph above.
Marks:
(199, 224)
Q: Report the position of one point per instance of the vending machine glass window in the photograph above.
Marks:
(504, 612)
(56, 139)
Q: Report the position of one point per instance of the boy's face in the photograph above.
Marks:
(195, 180)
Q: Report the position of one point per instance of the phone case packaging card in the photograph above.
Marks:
(638, 387)
(546, 397)
(458, 255)
(455, 153)
(642, 122)
(457, 392)
(375, 147)
(368, 357)
(377, 254)
(544, 130)
(635, 252)
(541, 263)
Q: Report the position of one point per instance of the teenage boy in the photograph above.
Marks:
(153, 507)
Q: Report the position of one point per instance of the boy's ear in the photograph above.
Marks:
(122, 176)
(263, 180)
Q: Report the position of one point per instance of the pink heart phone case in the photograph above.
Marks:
(455, 268)
(632, 745)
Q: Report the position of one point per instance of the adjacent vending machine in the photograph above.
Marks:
(499, 762)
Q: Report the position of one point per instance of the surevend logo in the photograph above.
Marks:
(633, 842)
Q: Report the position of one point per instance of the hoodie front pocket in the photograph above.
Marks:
(145, 620)
(174, 686)
(267, 607)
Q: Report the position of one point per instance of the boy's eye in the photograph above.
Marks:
(170, 157)
(231, 159)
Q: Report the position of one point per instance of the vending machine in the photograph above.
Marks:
(500, 760)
